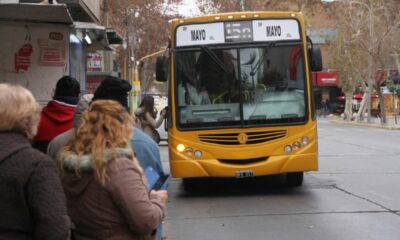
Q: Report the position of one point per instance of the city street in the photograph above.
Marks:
(355, 195)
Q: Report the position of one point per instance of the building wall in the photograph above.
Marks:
(94, 6)
(34, 55)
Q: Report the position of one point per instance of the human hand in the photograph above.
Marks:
(162, 194)
(163, 112)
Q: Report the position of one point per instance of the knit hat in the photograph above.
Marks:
(67, 87)
(113, 88)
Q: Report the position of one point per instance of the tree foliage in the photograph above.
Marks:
(144, 26)
(365, 29)
(307, 7)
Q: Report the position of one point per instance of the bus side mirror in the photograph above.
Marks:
(315, 59)
(162, 69)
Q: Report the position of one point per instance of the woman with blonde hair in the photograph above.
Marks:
(32, 202)
(106, 189)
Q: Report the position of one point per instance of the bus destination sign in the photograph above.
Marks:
(236, 32)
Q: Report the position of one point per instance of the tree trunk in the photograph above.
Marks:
(363, 108)
(348, 107)
(382, 111)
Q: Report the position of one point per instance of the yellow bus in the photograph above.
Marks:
(240, 96)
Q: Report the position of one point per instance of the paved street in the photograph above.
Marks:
(355, 195)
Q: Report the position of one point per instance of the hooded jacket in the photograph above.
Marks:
(122, 209)
(56, 118)
(32, 202)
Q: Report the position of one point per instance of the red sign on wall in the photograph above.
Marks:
(326, 78)
(94, 62)
(52, 53)
(22, 59)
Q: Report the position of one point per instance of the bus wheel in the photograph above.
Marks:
(189, 184)
(294, 179)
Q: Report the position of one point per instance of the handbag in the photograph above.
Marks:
(156, 135)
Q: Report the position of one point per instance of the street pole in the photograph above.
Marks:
(370, 63)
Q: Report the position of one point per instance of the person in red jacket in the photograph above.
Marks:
(57, 116)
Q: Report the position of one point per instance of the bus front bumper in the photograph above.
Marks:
(273, 165)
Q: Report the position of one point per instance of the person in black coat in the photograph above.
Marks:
(32, 202)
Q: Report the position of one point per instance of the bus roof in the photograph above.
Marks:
(237, 16)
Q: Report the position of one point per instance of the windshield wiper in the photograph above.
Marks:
(254, 70)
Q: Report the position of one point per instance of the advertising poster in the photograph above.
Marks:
(51, 53)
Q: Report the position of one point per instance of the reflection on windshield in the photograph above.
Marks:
(270, 89)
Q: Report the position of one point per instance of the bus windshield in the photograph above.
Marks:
(225, 87)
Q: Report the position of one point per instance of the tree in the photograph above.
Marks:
(219, 6)
(370, 25)
(144, 25)
(346, 57)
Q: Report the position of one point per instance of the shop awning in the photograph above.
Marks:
(52, 13)
(97, 34)
(113, 36)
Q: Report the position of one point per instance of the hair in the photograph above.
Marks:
(19, 110)
(148, 104)
(105, 125)
(67, 87)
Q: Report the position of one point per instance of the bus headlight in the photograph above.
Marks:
(287, 149)
(296, 145)
(189, 151)
(305, 140)
(198, 154)
(180, 147)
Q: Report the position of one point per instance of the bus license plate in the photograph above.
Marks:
(244, 173)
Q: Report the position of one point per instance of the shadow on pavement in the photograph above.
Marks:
(209, 187)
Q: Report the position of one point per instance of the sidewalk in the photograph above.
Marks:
(375, 122)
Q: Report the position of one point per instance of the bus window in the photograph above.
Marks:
(271, 93)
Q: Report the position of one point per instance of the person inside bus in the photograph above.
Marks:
(192, 92)
(107, 195)
(216, 73)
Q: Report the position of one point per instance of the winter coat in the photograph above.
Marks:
(122, 209)
(55, 118)
(32, 202)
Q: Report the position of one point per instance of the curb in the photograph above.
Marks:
(364, 124)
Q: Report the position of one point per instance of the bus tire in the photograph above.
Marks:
(294, 179)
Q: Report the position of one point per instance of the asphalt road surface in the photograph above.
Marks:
(355, 195)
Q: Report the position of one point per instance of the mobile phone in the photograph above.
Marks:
(161, 182)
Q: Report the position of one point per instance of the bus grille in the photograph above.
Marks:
(237, 138)
(243, 161)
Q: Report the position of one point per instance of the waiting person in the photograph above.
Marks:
(32, 201)
(147, 115)
(57, 116)
(59, 141)
(146, 150)
(105, 187)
